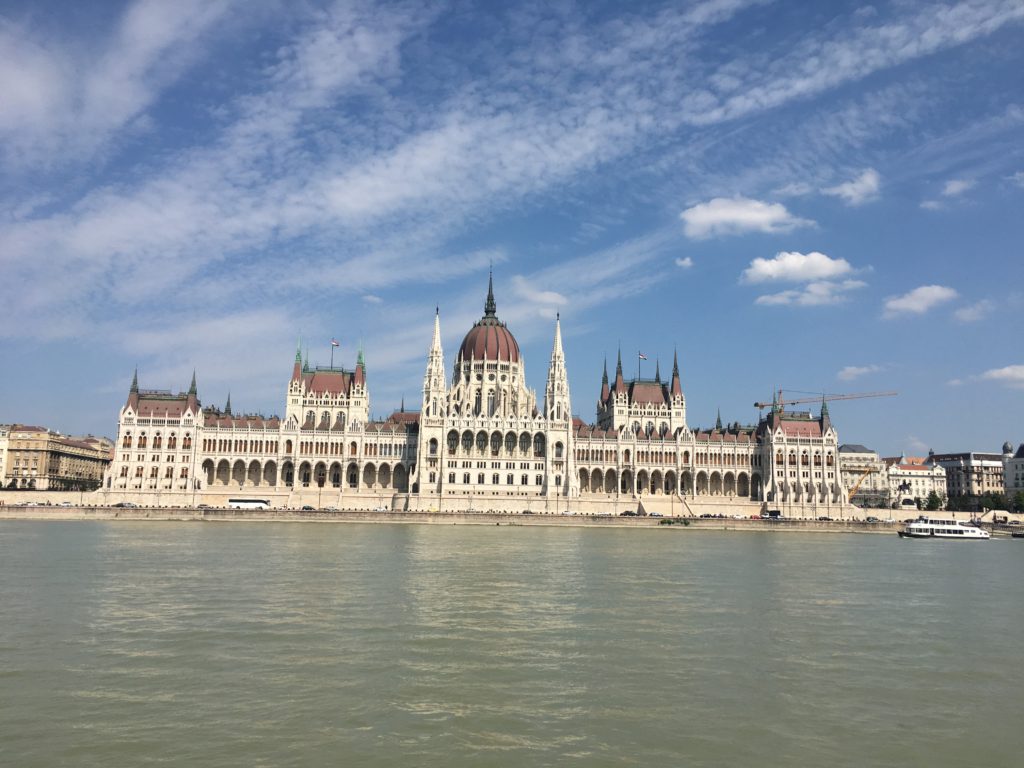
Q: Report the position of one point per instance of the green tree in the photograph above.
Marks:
(1018, 501)
(934, 502)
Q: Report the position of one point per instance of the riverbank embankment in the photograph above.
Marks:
(184, 514)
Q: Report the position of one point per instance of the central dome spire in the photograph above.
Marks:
(490, 309)
(489, 339)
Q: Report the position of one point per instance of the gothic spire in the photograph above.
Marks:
(192, 387)
(135, 381)
(604, 381)
(227, 407)
(490, 309)
(718, 421)
(657, 371)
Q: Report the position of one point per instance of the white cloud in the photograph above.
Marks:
(1013, 375)
(851, 372)
(955, 187)
(974, 312)
(792, 266)
(684, 263)
(860, 190)
(932, 205)
(816, 294)
(371, 299)
(738, 215)
(1017, 178)
(918, 301)
(955, 383)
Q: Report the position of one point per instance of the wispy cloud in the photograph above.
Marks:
(684, 263)
(1011, 375)
(859, 190)
(975, 312)
(736, 216)
(956, 187)
(815, 294)
(62, 105)
(918, 301)
(851, 372)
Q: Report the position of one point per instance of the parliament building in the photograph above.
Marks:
(481, 440)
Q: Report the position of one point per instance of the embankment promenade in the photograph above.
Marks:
(184, 514)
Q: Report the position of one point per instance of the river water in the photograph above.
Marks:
(289, 644)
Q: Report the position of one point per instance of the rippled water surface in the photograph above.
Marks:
(380, 645)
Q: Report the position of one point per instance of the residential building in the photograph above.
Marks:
(40, 459)
(972, 473)
(1013, 469)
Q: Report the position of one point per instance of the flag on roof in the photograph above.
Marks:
(642, 355)
(334, 343)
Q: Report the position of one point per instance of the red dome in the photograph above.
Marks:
(489, 337)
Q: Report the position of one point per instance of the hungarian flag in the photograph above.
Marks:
(642, 355)
(334, 343)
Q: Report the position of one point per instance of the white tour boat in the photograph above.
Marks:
(926, 528)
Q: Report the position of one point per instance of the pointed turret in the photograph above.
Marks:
(133, 391)
(718, 420)
(677, 388)
(620, 382)
(359, 376)
(192, 386)
(604, 382)
(657, 371)
(826, 420)
(297, 368)
(227, 406)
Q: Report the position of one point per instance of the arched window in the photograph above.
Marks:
(558, 450)
(538, 444)
(433, 446)
(453, 441)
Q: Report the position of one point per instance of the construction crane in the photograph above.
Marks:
(781, 403)
(861, 479)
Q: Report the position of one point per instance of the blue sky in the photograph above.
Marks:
(818, 197)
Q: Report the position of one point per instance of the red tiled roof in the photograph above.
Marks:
(333, 382)
(647, 393)
(801, 428)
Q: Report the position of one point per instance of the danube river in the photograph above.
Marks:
(277, 644)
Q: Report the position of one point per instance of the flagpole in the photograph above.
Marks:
(638, 365)
(332, 355)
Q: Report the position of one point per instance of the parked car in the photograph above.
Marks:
(825, 519)
(656, 514)
(126, 504)
(871, 519)
(308, 508)
(627, 513)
